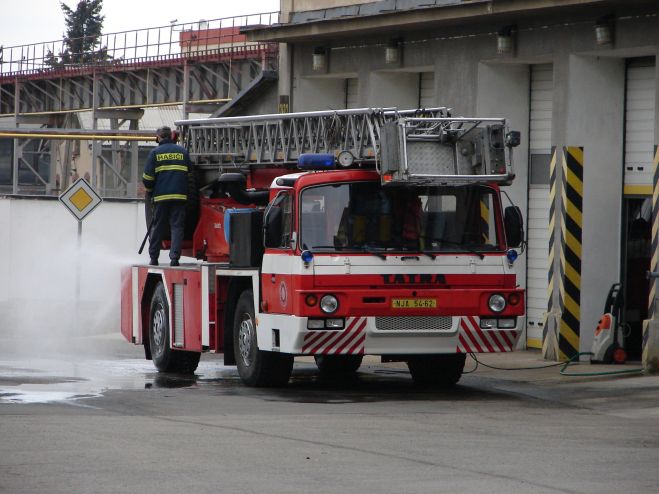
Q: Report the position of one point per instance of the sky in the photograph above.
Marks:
(35, 21)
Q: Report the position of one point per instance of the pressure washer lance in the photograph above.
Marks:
(148, 228)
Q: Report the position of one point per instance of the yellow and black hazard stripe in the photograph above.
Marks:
(549, 341)
(568, 341)
(485, 219)
(654, 258)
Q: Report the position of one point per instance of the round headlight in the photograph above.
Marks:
(329, 304)
(496, 303)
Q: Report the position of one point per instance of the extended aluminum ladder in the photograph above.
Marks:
(279, 139)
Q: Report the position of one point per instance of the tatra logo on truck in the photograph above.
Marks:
(413, 279)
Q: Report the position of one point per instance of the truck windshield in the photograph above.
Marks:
(366, 217)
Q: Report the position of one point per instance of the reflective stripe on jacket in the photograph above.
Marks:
(166, 172)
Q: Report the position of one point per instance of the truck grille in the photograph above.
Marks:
(414, 323)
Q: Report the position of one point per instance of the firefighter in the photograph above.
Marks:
(166, 180)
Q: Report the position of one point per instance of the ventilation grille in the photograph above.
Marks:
(414, 323)
(178, 315)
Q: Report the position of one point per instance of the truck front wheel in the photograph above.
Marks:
(164, 358)
(436, 370)
(256, 367)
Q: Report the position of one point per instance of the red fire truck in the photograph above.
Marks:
(337, 234)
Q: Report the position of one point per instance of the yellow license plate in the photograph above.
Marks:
(413, 303)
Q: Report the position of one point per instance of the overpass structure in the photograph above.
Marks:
(54, 101)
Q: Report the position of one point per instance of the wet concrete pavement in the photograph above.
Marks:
(109, 423)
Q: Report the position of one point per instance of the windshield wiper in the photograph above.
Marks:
(457, 244)
(374, 251)
(364, 248)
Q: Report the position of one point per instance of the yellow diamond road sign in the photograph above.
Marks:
(81, 199)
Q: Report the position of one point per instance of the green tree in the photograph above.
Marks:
(82, 39)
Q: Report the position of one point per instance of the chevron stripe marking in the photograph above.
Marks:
(358, 347)
(473, 339)
(474, 336)
(358, 329)
(335, 342)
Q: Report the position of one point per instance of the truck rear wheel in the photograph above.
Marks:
(437, 370)
(164, 358)
(337, 365)
(256, 367)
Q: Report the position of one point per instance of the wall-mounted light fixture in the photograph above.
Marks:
(392, 52)
(604, 31)
(319, 59)
(505, 40)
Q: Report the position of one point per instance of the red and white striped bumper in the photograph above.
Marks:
(473, 339)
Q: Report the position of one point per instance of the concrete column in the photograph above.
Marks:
(589, 113)
(17, 148)
(503, 91)
(285, 69)
(650, 341)
(96, 144)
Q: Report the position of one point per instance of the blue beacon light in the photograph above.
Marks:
(315, 161)
(512, 256)
(307, 256)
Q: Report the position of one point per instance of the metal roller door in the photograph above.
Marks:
(538, 203)
(639, 126)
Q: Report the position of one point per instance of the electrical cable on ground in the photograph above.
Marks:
(563, 370)
(636, 370)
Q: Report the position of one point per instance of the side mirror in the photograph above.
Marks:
(514, 226)
(513, 139)
(272, 227)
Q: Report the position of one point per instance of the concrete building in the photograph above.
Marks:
(578, 78)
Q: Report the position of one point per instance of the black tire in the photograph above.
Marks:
(338, 365)
(164, 358)
(441, 371)
(256, 367)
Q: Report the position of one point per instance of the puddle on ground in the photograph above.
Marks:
(52, 380)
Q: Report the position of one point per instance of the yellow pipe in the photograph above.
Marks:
(120, 107)
(80, 137)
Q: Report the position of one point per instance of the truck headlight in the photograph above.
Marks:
(496, 302)
(508, 323)
(329, 304)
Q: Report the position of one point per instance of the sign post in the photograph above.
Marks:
(80, 199)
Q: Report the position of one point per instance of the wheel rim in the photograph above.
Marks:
(245, 339)
(159, 328)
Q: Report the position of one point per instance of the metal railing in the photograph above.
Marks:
(171, 42)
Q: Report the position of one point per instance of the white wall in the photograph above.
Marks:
(41, 262)
(316, 93)
(399, 89)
